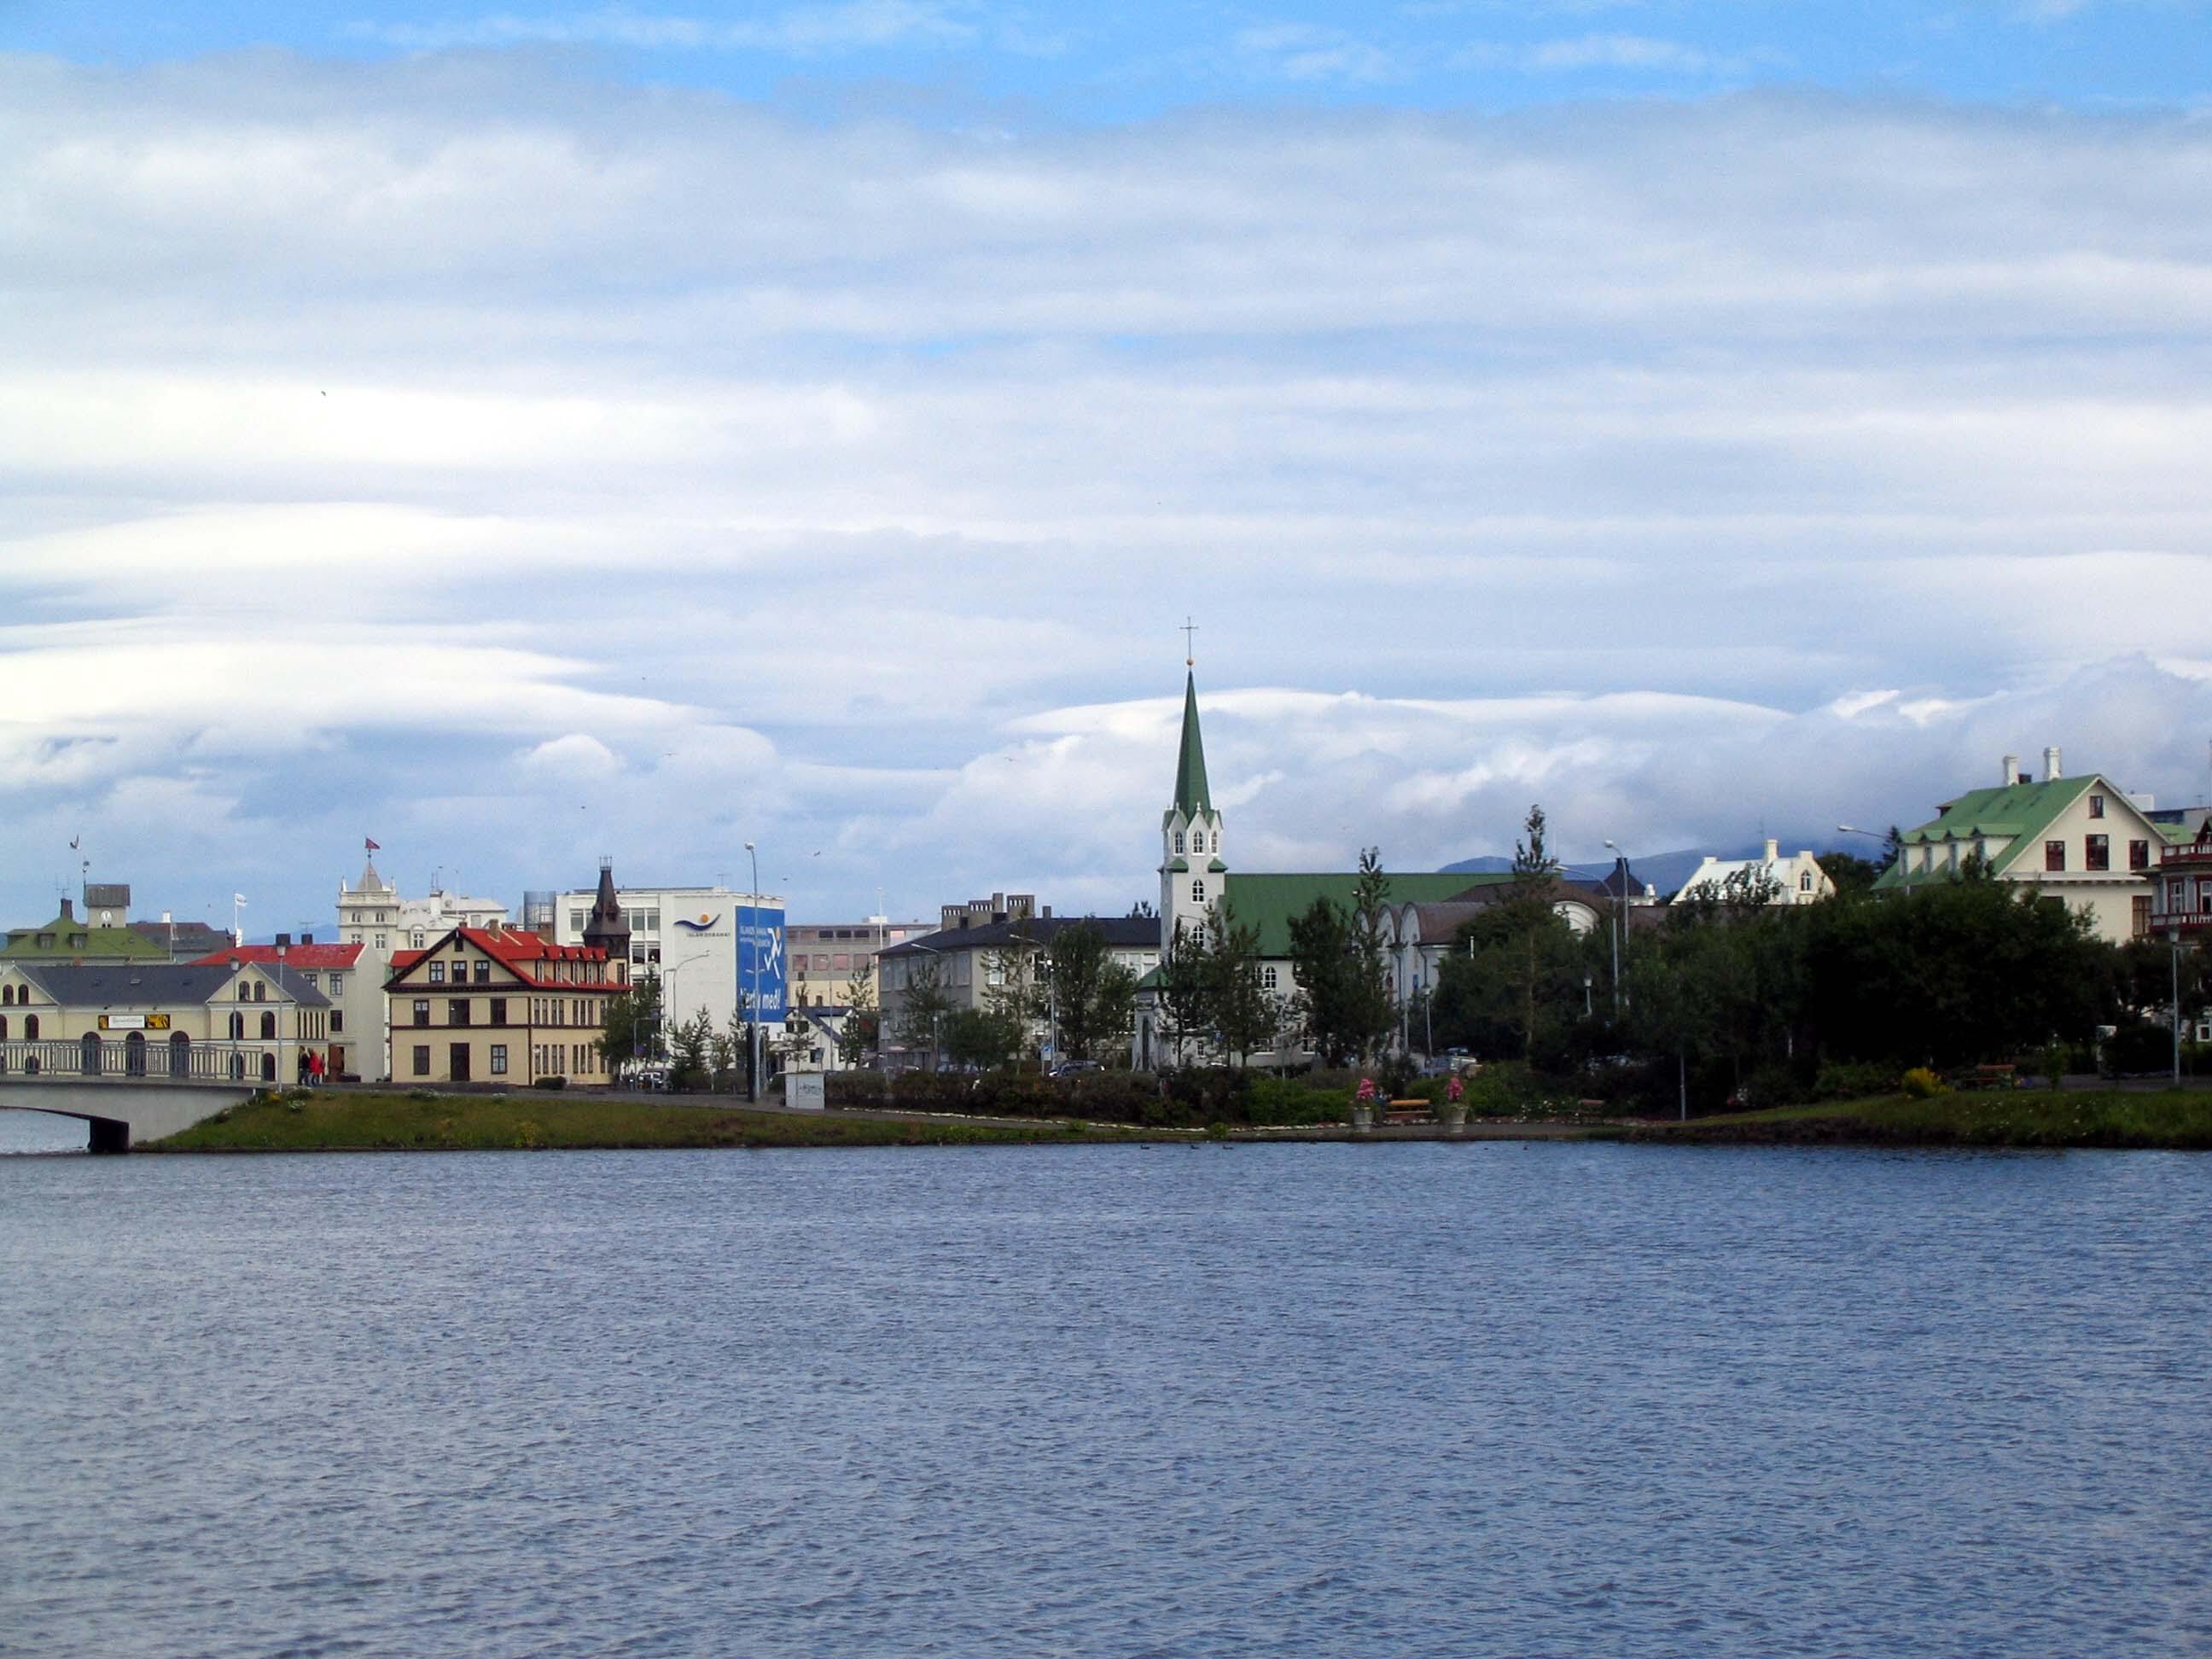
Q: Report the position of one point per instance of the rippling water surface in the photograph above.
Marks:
(1394, 1400)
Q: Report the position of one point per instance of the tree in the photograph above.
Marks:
(1181, 1003)
(978, 1036)
(924, 1003)
(1014, 991)
(687, 1045)
(1343, 1002)
(1245, 1014)
(857, 1036)
(629, 1028)
(1092, 994)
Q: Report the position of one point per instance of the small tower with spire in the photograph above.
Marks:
(605, 928)
(1191, 868)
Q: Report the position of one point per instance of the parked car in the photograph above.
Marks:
(1076, 1067)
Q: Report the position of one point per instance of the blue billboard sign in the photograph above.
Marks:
(760, 952)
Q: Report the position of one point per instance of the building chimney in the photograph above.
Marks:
(306, 938)
(2050, 772)
(2011, 770)
(69, 912)
(1773, 849)
(282, 941)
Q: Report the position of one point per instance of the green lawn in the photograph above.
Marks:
(355, 1121)
(2018, 1117)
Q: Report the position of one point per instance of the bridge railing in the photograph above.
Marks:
(157, 1059)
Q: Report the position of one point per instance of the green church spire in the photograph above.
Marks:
(1192, 796)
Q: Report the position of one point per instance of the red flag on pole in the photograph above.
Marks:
(371, 845)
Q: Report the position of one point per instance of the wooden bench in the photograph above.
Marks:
(1409, 1112)
(1986, 1077)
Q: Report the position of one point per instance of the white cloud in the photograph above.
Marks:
(843, 484)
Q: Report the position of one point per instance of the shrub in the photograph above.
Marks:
(551, 1083)
(1921, 1083)
(1853, 1080)
(1285, 1103)
(2144, 1048)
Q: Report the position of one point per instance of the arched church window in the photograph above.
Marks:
(30, 1028)
(1178, 840)
(1198, 892)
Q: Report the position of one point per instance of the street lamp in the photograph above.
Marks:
(1620, 922)
(753, 1008)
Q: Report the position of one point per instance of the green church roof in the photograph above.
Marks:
(1268, 902)
(1192, 796)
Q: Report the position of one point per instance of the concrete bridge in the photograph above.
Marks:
(114, 1089)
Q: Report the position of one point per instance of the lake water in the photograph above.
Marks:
(1400, 1400)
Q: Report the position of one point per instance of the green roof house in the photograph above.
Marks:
(2082, 839)
(67, 939)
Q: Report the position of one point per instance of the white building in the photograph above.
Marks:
(1798, 880)
(706, 944)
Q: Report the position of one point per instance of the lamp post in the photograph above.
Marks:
(2173, 934)
(752, 1003)
(667, 977)
(1620, 922)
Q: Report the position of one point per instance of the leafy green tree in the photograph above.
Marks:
(924, 1004)
(978, 1036)
(1181, 1003)
(1091, 995)
(1373, 1012)
(629, 1027)
(1013, 985)
(1343, 1001)
(1244, 1015)
(688, 1043)
(857, 1035)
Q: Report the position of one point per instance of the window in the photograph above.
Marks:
(1266, 979)
(2054, 855)
(309, 981)
(576, 920)
(421, 1011)
(2142, 916)
(1198, 892)
(337, 1020)
(499, 1059)
(421, 1060)
(380, 941)
(2097, 852)
(268, 1027)
(457, 1012)
(2138, 856)
(418, 941)
(2096, 806)
(1178, 840)
(260, 992)
(484, 970)
(499, 1010)
(31, 1027)
(1804, 881)
(237, 1028)
(437, 972)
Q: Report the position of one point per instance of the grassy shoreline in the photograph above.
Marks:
(2167, 1120)
(382, 1121)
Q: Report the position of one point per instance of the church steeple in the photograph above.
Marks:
(1191, 795)
(1192, 872)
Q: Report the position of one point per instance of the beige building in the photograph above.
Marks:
(826, 960)
(2082, 840)
(244, 1021)
(500, 1006)
(354, 990)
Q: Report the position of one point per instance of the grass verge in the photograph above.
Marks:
(400, 1121)
(2177, 1120)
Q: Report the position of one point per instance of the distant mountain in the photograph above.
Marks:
(1665, 870)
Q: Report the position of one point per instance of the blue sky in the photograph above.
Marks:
(519, 435)
(1106, 64)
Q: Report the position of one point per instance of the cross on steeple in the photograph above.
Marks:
(1189, 642)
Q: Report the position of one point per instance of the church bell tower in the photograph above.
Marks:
(1192, 872)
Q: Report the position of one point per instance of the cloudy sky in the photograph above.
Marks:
(522, 435)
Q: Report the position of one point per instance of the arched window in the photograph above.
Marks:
(30, 1028)
(260, 992)
(134, 1054)
(238, 1028)
(88, 1052)
(7, 995)
(1198, 892)
(244, 992)
(268, 1068)
(3, 1025)
(180, 1054)
(268, 1027)
(1178, 840)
